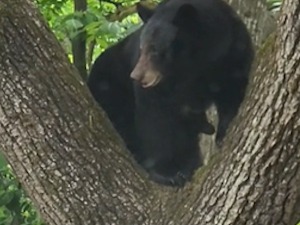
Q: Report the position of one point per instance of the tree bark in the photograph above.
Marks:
(258, 19)
(76, 169)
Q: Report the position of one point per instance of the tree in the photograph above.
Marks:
(79, 42)
(76, 169)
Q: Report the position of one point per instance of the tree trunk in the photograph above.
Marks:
(76, 169)
(260, 22)
(79, 42)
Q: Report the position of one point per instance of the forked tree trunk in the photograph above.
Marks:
(76, 170)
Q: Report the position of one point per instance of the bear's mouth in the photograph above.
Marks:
(151, 83)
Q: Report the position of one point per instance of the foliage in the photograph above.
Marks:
(274, 5)
(66, 24)
(15, 208)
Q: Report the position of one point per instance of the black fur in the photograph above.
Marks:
(202, 53)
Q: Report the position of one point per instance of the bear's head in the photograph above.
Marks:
(167, 44)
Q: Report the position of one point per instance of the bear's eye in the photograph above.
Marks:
(153, 49)
(157, 53)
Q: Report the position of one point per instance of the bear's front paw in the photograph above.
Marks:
(178, 179)
(167, 173)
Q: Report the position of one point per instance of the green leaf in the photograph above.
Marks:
(6, 197)
(5, 216)
(73, 24)
(3, 162)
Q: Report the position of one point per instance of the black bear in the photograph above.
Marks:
(202, 45)
(192, 53)
(167, 138)
(188, 55)
(110, 84)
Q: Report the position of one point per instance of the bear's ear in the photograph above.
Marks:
(186, 17)
(144, 12)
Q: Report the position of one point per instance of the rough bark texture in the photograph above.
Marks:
(260, 22)
(76, 170)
